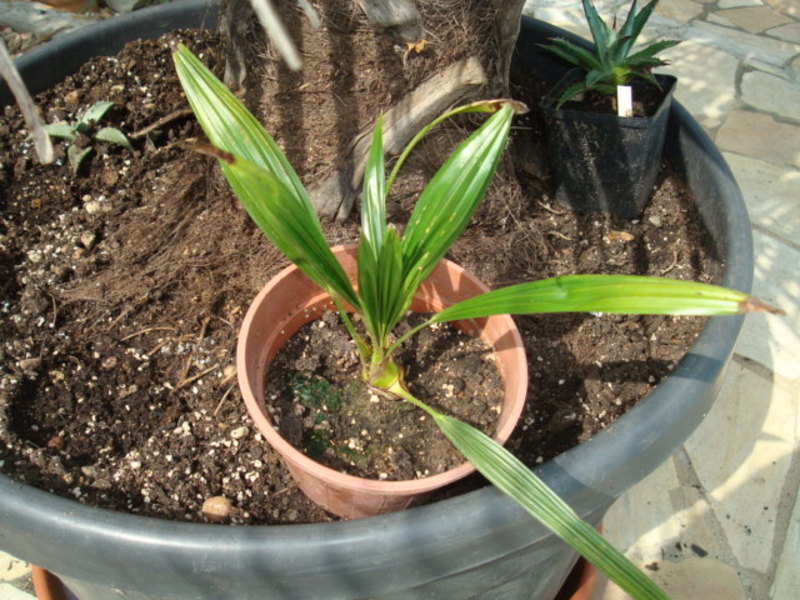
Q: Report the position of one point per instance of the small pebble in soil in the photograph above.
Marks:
(239, 432)
(88, 239)
(217, 508)
(30, 365)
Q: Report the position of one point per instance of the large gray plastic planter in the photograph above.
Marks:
(478, 545)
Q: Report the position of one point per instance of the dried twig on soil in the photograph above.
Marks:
(558, 234)
(550, 209)
(146, 330)
(195, 377)
(224, 397)
(173, 116)
(189, 361)
(672, 264)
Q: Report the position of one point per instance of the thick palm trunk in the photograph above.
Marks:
(408, 59)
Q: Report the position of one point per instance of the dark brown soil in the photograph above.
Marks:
(322, 406)
(122, 288)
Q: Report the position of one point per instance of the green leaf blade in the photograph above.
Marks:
(638, 21)
(76, 156)
(373, 198)
(95, 112)
(600, 31)
(448, 202)
(650, 51)
(60, 130)
(513, 478)
(612, 48)
(272, 206)
(577, 88)
(112, 135)
(380, 280)
(227, 122)
(617, 294)
(261, 176)
(575, 54)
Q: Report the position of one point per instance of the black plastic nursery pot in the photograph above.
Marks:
(602, 162)
(478, 545)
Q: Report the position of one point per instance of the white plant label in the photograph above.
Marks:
(624, 101)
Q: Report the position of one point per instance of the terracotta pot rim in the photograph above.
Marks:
(327, 474)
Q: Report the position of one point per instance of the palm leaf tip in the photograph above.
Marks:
(209, 150)
(495, 105)
(752, 304)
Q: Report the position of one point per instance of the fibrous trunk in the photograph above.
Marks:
(409, 59)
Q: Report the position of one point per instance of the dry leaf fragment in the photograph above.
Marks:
(415, 47)
(615, 237)
(418, 47)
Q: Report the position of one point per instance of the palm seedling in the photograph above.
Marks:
(391, 266)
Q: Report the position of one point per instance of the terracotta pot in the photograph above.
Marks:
(47, 586)
(289, 301)
(580, 582)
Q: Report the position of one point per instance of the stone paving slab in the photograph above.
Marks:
(787, 575)
(721, 511)
(770, 341)
(15, 578)
(790, 33)
(741, 43)
(771, 195)
(9, 592)
(762, 137)
(787, 7)
(12, 568)
(744, 473)
(776, 95)
(756, 19)
(738, 3)
(707, 81)
(682, 11)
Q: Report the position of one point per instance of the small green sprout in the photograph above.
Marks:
(316, 394)
(611, 64)
(86, 125)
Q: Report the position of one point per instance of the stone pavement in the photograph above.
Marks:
(720, 519)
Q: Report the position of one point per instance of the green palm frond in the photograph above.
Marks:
(261, 177)
(512, 477)
(391, 267)
(448, 202)
(228, 124)
(617, 294)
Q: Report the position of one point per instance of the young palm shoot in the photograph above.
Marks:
(392, 266)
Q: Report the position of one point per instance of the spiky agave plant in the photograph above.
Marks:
(611, 63)
(392, 266)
